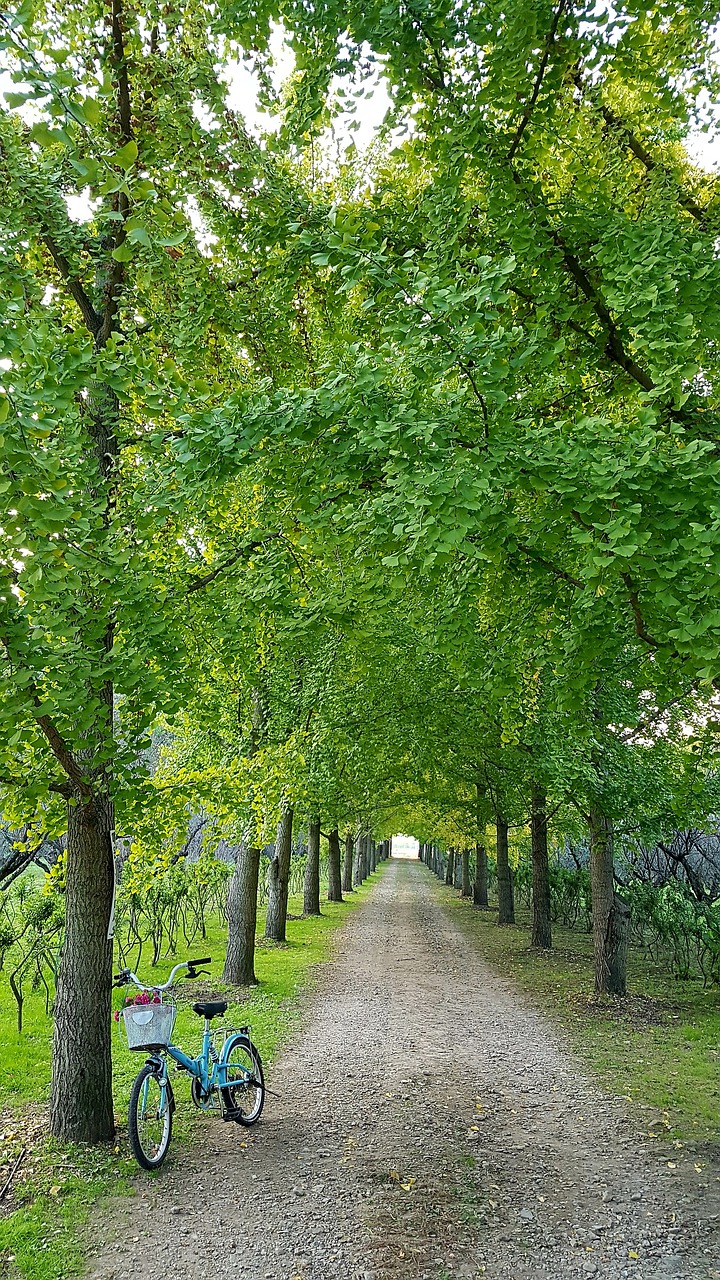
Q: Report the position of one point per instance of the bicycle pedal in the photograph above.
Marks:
(232, 1115)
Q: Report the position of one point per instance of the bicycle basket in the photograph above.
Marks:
(148, 1026)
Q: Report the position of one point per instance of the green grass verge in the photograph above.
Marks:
(41, 1238)
(659, 1047)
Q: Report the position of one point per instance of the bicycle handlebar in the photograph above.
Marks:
(126, 975)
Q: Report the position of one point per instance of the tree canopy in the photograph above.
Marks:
(383, 488)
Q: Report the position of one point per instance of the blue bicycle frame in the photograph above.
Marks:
(209, 1070)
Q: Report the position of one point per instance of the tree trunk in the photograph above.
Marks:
(347, 877)
(506, 905)
(465, 878)
(242, 917)
(81, 1105)
(541, 925)
(457, 879)
(242, 893)
(450, 867)
(334, 869)
(357, 861)
(311, 898)
(278, 878)
(480, 884)
(611, 916)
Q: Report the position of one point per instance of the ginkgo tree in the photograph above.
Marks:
(488, 370)
(112, 326)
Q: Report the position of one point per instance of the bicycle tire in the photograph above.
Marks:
(139, 1103)
(244, 1102)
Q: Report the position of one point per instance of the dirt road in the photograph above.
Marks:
(430, 1125)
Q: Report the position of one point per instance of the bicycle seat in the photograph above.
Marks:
(210, 1008)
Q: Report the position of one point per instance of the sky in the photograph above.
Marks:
(360, 128)
(704, 148)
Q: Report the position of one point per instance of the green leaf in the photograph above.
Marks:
(167, 242)
(126, 156)
(92, 111)
(123, 253)
(137, 235)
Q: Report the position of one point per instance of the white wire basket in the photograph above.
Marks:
(148, 1026)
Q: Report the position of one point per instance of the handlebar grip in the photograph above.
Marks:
(192, 964)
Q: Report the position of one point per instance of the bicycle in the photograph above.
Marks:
(229, 1079)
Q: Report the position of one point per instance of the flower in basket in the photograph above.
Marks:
(142, 997)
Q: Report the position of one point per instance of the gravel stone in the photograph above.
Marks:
(421, 1110)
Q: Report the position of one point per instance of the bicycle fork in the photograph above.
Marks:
(160, 1071)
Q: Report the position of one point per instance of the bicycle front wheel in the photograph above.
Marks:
(150, 1118)
(243, 1095)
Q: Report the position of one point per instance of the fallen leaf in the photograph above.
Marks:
(55, 1191)
(632, 1253)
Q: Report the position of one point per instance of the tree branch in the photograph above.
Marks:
(63, 754)
(247, 549)
(551, 568)
(527, 113)
(74, 287)
(640, 628)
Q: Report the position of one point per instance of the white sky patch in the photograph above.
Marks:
(357, 127)
(244, 86)
(204, 238)
(204, 116)
(81, 208)
(404, 847)
(366, 102)
(704, 148)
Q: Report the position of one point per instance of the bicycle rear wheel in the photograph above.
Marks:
(150, 1118)
(243, 1095)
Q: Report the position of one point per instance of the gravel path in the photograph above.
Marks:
(430, 1125)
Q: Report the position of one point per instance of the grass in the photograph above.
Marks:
(56, 1186)
(659, 1047)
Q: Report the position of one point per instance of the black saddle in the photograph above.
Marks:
(210, 1008)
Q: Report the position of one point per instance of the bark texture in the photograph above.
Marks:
(506, 904)
(480, 883)
(334, 867)
(278, 878)
(311, 896)
(81, 1105)
(541, 921)
(465, 874)
(611, 915)
(450, 867)
(242, 917)
(243, 887)
(358, 861)
(347, 876)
